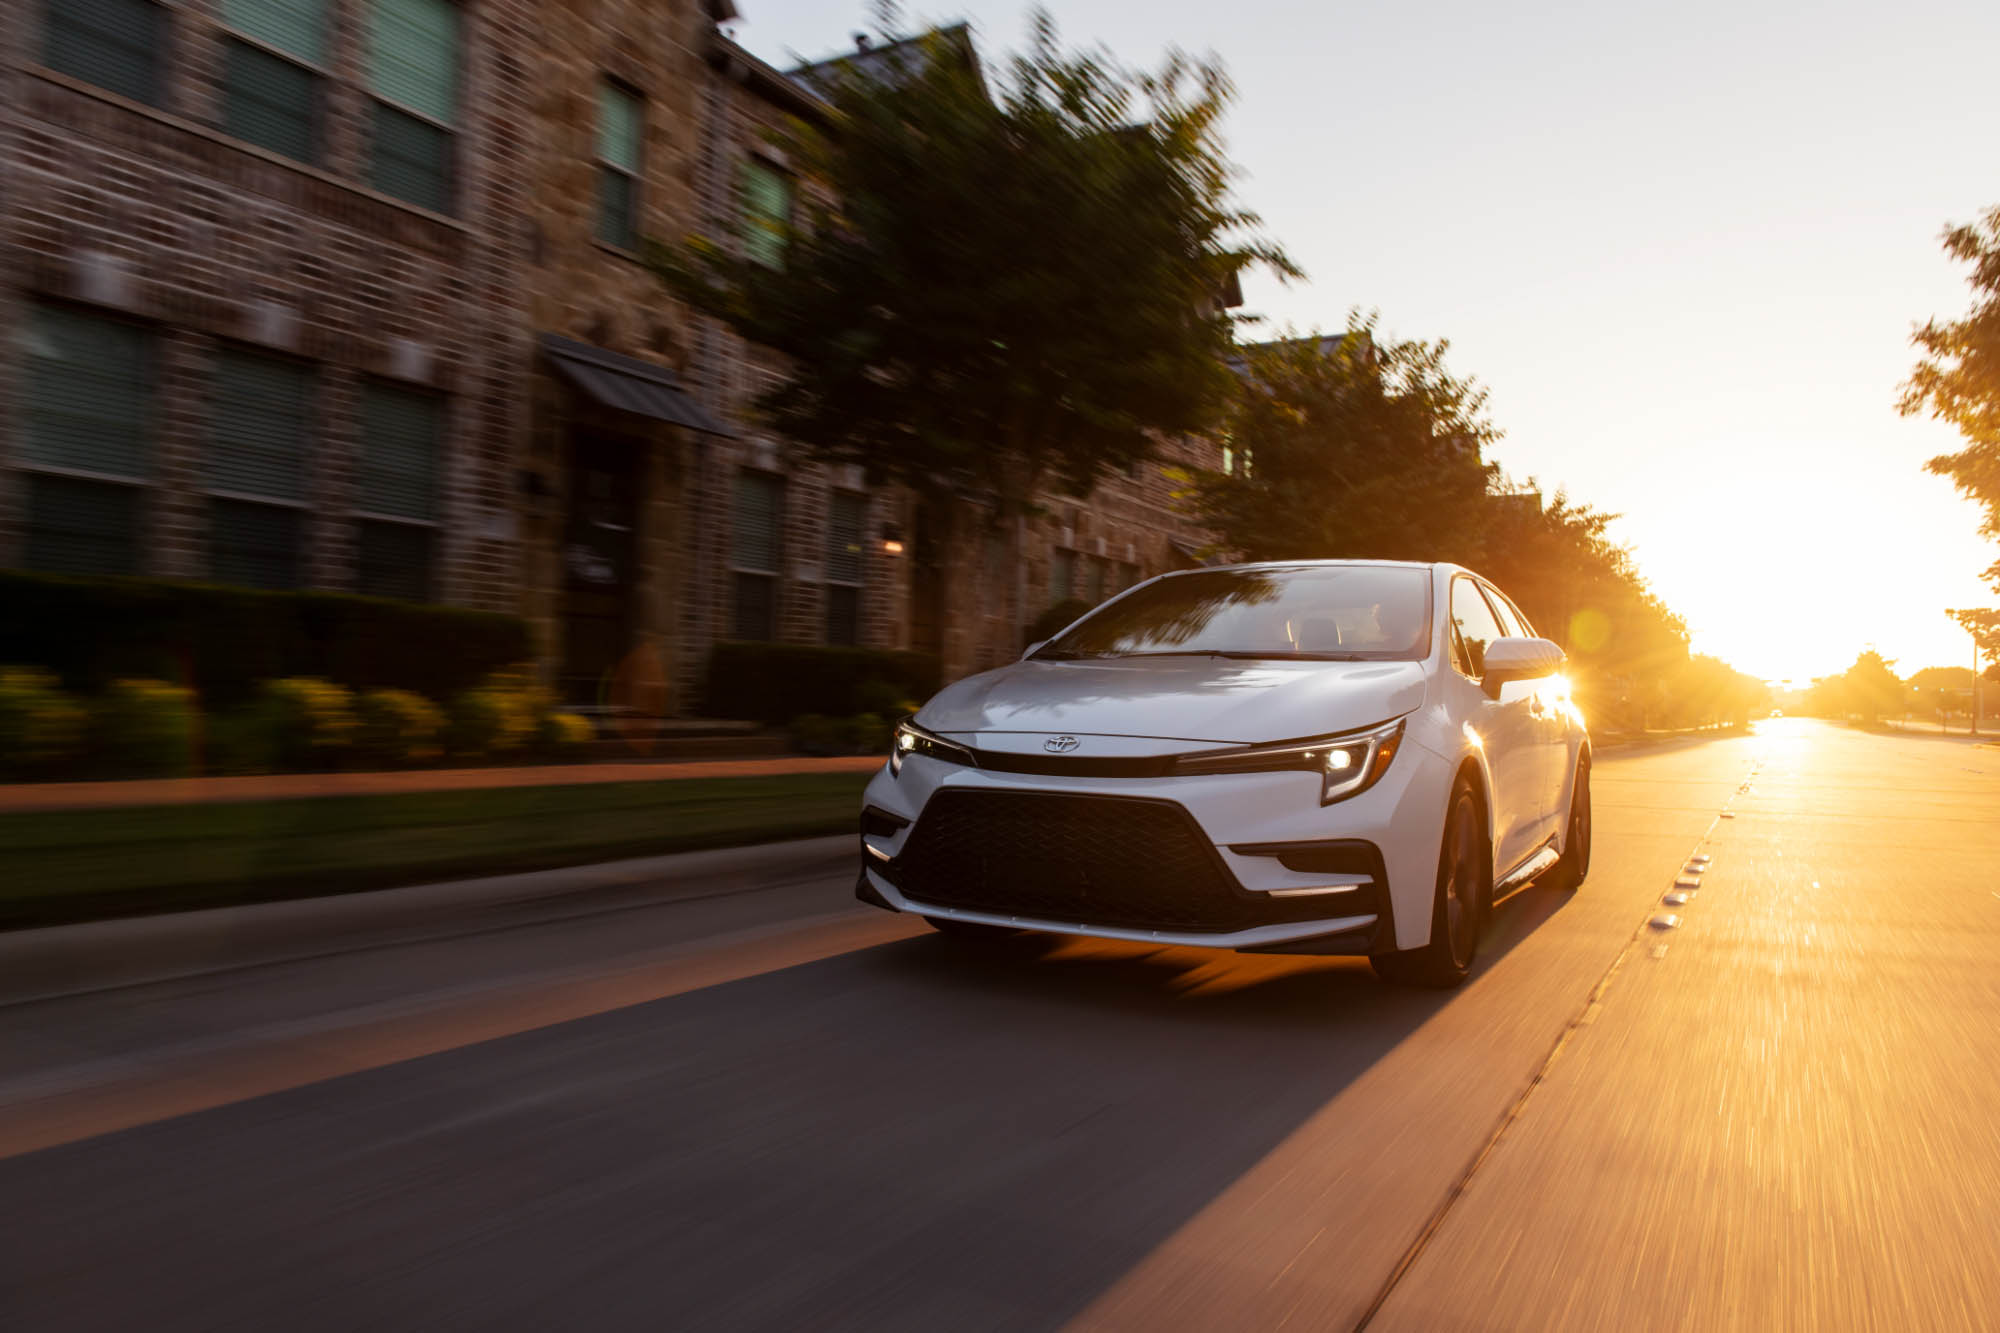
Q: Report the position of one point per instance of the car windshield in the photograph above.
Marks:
(1351, 613)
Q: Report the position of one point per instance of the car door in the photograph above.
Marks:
(1555, 729)
(1510, 730)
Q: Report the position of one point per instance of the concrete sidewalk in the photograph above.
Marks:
(37, 796)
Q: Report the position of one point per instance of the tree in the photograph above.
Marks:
(1350, 446)
(1870, 688)
(996, 294)
(1958, 379)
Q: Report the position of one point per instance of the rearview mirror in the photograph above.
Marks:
(1514, 659)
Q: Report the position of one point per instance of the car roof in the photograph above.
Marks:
(1322, 564)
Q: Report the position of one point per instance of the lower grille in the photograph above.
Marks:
(1126, 862)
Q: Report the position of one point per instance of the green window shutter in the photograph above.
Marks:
(413, 55)
(1062, 576)
(759, 504)
(256, 546)
(402, 438)
(617, 223)
(115, 44)
(844, 520)
(619, 118)
(843, 616)
(82, 527)
(394, 560)
(411, 159)
(88, 393)
(269, 101)
(767, 212)
(263, 423)
(296, 27)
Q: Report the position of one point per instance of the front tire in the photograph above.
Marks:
(1464, 885)
(1569, 872)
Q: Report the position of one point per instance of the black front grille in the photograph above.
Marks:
(1126, 862)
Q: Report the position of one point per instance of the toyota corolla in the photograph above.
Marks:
(1321, 757)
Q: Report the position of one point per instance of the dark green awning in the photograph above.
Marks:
(627, 384)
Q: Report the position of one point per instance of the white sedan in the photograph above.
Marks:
(1322, 757)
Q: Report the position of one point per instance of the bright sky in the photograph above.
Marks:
(1682, 245)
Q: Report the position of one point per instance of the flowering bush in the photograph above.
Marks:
(40, 726)
(311, 721)
(398, 727)
(566, 735)
(145, 728)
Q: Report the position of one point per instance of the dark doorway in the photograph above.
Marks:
(600, 560)
(927, 544)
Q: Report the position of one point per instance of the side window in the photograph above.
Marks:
(1473, 627)
(1511, 619)
(767, 212)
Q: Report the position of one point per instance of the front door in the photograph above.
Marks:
(600, 549)
(1510, 728)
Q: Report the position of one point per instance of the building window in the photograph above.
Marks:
(1128, 574)
(847, 517)
(256, 470)
(396, 493)
(118, 45)
(271, 74)
(620, 134)
(1094, 589)
(413, 73)
(86, 440)
(767, 212)
(754, 551)
(1062, 576)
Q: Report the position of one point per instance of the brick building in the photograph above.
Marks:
(344, 294)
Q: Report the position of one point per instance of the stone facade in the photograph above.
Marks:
(613, 531)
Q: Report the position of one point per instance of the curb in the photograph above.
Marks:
(54, 961)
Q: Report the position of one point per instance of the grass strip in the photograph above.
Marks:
(73, 865)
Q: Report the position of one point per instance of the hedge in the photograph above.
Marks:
(225, 641)
(776, 682)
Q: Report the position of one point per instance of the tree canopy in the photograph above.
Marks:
(1958, 378)
(996, 289)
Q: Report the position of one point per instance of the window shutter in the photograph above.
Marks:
(82, 527)
(618, 126)
(767, 212)
(393, 560)
(296, 27)
(114, 44)
(411, 159)
(1062, 576)
(413, 55)
(402, 434)
(89, 386)
(759, 498)
(254, 545)
(615, 222)
(843, 537)
(270, 101)
(262, 431)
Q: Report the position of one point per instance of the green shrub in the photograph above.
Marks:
(816, 733)
(311, 721)
(144, 728)
(41, 728)
(226, 642)
(397, 727)
(866, 733)
(1054, 620)
(775, 682)
(566, 735)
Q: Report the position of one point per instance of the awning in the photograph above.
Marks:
(627, 384)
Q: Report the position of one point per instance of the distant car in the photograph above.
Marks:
(1325, 757)
(1777, 712)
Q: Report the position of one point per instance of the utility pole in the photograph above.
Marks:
(1975, 685)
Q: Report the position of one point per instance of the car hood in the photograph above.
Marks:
(1214, 700)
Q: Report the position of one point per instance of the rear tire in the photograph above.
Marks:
(970, 930)
(1569, 872)
(1464, 886)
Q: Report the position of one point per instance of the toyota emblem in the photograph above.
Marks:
(1059, 744)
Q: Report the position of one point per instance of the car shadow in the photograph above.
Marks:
(914, 1135)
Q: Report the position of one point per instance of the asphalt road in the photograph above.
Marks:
(769, 1108)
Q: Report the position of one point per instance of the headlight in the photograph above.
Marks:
(912, 739)
(1346, 764)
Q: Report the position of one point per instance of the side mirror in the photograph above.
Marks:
(1033, 648)
(1512, 659)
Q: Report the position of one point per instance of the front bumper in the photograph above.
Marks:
(1234, 861)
